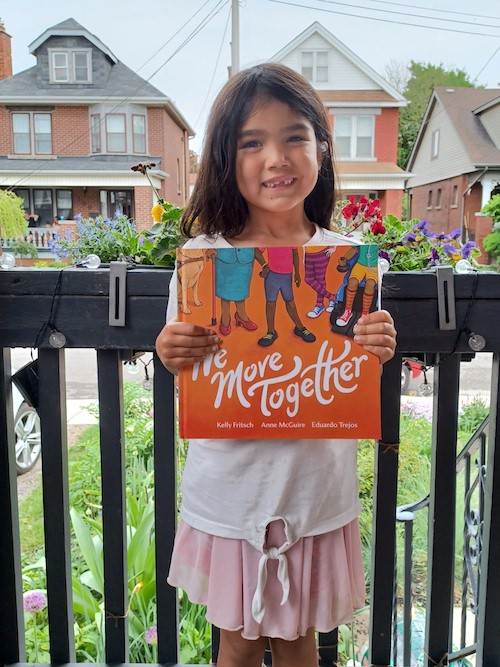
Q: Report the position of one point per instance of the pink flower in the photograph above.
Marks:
(34, 601)
(151, 635)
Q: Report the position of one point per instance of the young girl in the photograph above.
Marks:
(268, 537)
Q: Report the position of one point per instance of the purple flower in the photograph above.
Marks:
(34, 601)
(439, 237)
(466, 248)
(434, 255)
(455, 233)
(410, 237)
(422, 225)
(449, 249)
(151, 635)
(142, 240)
(384, 255)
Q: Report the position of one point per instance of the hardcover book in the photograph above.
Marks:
(288, 365)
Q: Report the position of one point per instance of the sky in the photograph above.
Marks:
(149, 37)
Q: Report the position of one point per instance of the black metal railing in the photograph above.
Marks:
(471, 467)
(75, 302)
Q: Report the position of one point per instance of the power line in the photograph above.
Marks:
(392, 11)
(433, 9)
(215, 70)
(374, 18)
(486, 64)
(193, 34)
(167, 41)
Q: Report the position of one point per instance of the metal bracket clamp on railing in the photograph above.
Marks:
(446, 298)
(117, 293)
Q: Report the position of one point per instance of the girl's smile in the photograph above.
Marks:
(277, 160)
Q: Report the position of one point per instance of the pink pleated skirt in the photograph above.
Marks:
(326, 575)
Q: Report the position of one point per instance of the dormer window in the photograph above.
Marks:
(70, 65)
(315, 66)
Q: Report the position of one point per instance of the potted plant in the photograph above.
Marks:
(25, 250)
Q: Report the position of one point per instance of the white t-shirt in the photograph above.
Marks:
(235, 488)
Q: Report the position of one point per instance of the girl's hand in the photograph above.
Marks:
(376, 333)
(182, 344)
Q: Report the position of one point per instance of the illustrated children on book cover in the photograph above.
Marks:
(285, 368)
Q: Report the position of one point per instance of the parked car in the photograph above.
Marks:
(28, 442)
(410, 369)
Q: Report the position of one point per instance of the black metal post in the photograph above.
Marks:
(52, 410)
(114, 515)
(11, 607)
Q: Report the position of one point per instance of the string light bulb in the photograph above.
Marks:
(7, 261)
(91, 261)
(383, 264)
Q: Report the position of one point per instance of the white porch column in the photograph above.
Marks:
(488, 182)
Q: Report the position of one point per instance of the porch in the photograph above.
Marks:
(75, 302)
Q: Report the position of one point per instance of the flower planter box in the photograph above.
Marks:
(81, 308)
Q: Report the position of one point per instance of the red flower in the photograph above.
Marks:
(350, 211)
(377, 227)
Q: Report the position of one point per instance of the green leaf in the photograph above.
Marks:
(91, 552)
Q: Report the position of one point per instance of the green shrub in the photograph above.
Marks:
(22, 248)
(491, 243)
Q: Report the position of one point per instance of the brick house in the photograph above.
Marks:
(364, 113)
(73, 125)
(455, 162)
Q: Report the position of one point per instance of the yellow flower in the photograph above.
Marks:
(138, 587)
(157, 212)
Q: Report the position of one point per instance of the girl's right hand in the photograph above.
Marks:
(182, 344)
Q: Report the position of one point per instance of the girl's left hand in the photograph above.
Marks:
(376, 333)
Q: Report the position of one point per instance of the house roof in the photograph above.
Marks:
(354, 96)
(91, 163)
(345, 167)
(316, 27)
(70, 28)
(123, 84)
(463, 107)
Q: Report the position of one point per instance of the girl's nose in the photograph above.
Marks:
(277, 155)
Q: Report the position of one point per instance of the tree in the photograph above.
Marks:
(397, 74)
(13, 223)
(423, 77)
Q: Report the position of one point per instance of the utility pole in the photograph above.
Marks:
(235, 37)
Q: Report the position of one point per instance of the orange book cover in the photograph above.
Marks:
(288, 365)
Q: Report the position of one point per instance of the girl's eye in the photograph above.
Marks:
(251, 143)
(295, 138)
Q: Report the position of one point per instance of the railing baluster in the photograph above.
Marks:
(441, 543)
(112, 441)
(11, 608)
(52, 410)
(165, 460)
(488, 651)
(384, 521)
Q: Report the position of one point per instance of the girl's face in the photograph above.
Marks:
(277, 159)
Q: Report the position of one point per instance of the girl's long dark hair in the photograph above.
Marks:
(216, 205)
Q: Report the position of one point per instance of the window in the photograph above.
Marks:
(454, 196)
(315, 66)
(124, 132)
(115, 133)
(429, 199)
(438, 198)
(354, 136)
(435, 144)
(95, 132)
(43, 207)
(39, 205)
(139, 133)
(64, 204)
(32, 133)
(70, 66)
